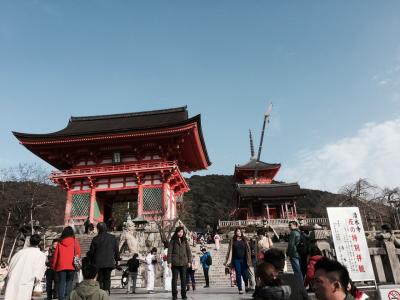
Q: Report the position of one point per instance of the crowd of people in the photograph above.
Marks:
(254, 266)
(327, 278)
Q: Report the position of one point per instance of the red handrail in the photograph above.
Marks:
(114, 168)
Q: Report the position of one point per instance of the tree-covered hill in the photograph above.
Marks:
(209, 200)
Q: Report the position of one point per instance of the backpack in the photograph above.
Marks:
(302, 246)
(209, 260)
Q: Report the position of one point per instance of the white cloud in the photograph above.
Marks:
(383, 82)
(373, 153)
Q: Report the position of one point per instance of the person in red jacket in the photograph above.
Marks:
(315, 256)
(66, 249)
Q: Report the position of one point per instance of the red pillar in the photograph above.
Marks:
(91, 205)
(286, 210)
(165, 200)
(140, 200)
(295, 209)
(68, 207)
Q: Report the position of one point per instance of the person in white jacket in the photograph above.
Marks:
(26, 267)
(151, 261)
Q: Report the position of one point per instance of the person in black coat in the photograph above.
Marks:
(104, 254)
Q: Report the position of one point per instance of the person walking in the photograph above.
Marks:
(270, 285)
(151, 261)
(239, 256)
(87, 224)
(26, 268)
(263, 244)
(167, 272)
(89, 288)
(133, 266)
(277, 259)
(51, 274)
(206, 261)
(190, 273)
(104, 254)
(66, 249)
(315, 256)
(294, 256)
(217, 241)
(179, 258)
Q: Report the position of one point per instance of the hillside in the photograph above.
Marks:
(209, 200)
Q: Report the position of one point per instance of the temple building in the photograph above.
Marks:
(131, 158)
(258, 196)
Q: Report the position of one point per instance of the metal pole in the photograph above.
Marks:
(12, 249)
(5, 234)
(266, 117)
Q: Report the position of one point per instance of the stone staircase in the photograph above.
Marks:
(216, 274)
(84, 242)
(217, 270)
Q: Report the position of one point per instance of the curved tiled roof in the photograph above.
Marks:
(81, 126)
(260, 165)
(269, 190)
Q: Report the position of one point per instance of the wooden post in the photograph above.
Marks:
(140, 200)
(295, 208)
(267, 211)
(68, 207)
(91, 204)
(286, 210)
(379, 268)
(165, 199)
(393, 260)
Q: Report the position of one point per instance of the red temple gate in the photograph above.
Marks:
(123, 158)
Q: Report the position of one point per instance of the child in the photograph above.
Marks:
(89, 288)
(133, 266)
(190, 273)
(204, 260)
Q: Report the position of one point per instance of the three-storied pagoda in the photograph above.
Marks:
(261, 197)
(257, 195)
(129, 157)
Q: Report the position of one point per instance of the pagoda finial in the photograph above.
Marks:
(251, 145)
(266, 120)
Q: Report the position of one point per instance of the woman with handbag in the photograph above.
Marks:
(239, 256)
(66, 260)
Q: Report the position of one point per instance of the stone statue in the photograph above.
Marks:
(129, 236)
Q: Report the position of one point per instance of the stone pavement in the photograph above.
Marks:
(199, 294)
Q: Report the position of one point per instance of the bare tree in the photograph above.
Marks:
(362, 189)
(392, 197)
(24, 203)
(372, 200)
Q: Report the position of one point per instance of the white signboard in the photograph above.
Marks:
(350, 242)
(389, 292)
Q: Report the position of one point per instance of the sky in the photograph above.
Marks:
(330, 68)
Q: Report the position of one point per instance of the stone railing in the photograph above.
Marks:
(272, 222)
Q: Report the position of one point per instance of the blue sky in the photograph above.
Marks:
(331, 70)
